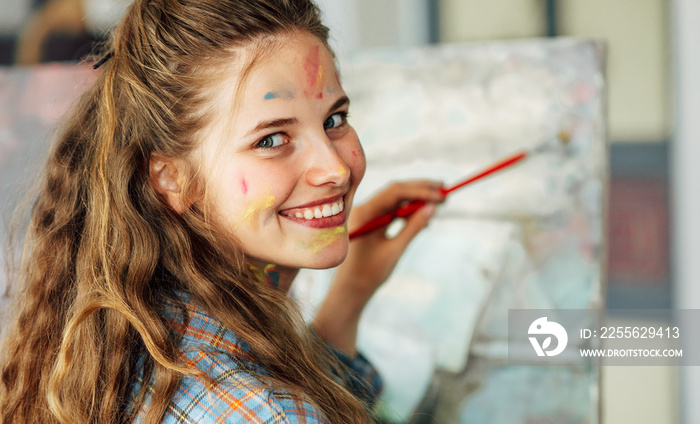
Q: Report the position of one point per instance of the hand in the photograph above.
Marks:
(371, 259)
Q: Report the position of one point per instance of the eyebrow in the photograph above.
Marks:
(276, 123)
(338, 103)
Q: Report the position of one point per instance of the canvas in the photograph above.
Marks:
(529, 237)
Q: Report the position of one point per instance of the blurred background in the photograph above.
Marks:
(653, 65)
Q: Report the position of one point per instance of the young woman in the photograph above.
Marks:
(211, 160)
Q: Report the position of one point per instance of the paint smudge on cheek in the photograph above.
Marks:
(358, 153)
(328, 237)
(252, 212)
(244, 186)
(342, 170)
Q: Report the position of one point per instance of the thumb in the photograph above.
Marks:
(415, 223)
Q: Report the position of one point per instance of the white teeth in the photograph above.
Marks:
(326, 211)
(321, 211)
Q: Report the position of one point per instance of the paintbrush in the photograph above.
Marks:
(410, 208)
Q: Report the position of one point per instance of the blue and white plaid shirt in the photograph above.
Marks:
(238, 396)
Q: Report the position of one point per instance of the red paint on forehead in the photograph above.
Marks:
(244, 186)
(311, 65)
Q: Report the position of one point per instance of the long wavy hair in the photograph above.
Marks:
(104, 252)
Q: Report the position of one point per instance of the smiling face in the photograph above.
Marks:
(281, 172)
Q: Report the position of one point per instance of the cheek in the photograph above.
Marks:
(244, 186)
(355, 159)
(263, 188)
(242, 195)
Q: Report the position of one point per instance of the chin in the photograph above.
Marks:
(329, 257)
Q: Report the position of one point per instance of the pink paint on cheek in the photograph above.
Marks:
(244, 186)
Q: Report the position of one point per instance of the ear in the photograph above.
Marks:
(165, 175)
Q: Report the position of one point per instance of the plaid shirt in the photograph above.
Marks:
(238, 396)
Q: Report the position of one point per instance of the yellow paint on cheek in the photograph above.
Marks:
(342, 170)
(258, 205)
(327, 237)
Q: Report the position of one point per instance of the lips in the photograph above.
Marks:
(320, 214)
(316, 212)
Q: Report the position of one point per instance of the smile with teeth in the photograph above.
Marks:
(320, 211)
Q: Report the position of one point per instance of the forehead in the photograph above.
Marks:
(299, 60)
(289, 75)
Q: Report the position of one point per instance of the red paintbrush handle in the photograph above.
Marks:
(411, 208)
(490, 170)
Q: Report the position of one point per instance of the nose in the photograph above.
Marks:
(325, 164)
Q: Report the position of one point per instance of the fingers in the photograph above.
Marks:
(399, 192)
(428, 190)
(414, 224)
(393, 197)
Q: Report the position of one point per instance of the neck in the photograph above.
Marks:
(286, 277)
(277, 276)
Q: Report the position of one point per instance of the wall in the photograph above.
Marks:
(640, 123)
(636, 32)
(686, 174)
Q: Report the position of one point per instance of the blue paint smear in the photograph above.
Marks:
(273, 278)
(270, 96)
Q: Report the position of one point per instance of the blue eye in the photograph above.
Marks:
(271, 141)
(334, 121)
